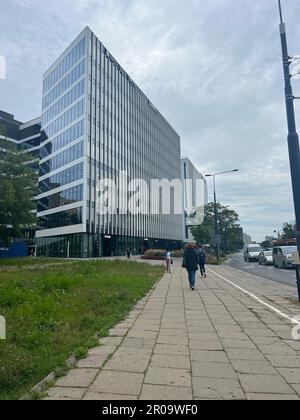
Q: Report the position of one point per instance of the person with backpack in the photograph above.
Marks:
(202, 260)
(190, 263)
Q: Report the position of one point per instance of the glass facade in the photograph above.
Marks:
(119, 130)
(68, 136)
(65, 65)
(63, 218)
(62, 159)
(66, 119)
(62, 198)
(64, 85)
(125, 132)
(74, 173)
(64, 103)
(75, 93)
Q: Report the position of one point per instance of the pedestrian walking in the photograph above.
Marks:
(190, 263)
(128, 254)
(168, 259)
(202, 260)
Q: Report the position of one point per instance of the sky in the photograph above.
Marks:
(212, 67)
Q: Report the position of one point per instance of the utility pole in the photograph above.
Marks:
(216, 225)
(293, 138)
(217, 234)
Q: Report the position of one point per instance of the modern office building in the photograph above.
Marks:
(195, 194)
(98, 124)
(26, 136)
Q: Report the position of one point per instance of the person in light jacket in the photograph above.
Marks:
(168, 259)
(190, 263)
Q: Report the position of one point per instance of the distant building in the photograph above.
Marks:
(239, 237)
(247, 239)
(191, 175)
(270, 239)
(26, 136)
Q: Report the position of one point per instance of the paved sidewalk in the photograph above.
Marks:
(214, 343)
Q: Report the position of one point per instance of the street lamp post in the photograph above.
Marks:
(216, 225)
(293, 139)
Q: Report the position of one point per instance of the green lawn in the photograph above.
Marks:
(23, 262)
(54, 311)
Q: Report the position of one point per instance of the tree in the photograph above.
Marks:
(17, 187)
(267, 244)
(289, 230)
(229, 228)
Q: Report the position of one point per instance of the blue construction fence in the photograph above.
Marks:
(15, 250)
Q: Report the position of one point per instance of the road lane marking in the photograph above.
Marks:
(272, 308)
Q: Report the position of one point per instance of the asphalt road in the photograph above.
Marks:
(267, 272)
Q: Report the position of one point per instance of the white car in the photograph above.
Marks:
(251, 252)
(266, 258)
(283, 256)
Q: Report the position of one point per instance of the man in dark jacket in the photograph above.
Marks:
(190, 262)
(202, 260)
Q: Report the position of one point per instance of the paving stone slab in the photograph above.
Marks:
(253, 367)
(279, 350)
(244, 354)
(209, 356)
(133, 342)
(238, 344)
(178, 332)
(170, 361)
(78, 378)
(217, 389)
(62, 393)
(265, 384)
(127, 364)
(168, 376)
(266, 341)
(103, 350)
(292, 375)
(205, 345)
(93, 361)
(283, 361)
(111, 341)
(213, 370)
(294, 344)
(165, 393)
(118, 332)
(169, 339)
(138, 333)
(171, 349)
(131, 352)
(95, 396)
(229, 335)
(122, 383)
(272, 397)
(203, 336)
(296, 388)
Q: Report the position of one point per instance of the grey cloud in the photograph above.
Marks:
(212, 67)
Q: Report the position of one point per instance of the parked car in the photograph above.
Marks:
(266, 258)
(251, 252)
(283, 256)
